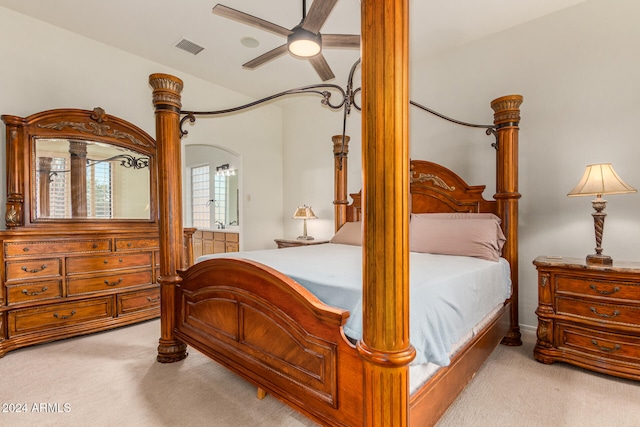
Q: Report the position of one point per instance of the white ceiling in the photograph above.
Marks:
(152, 28)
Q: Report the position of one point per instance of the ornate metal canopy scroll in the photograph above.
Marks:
(346, 101)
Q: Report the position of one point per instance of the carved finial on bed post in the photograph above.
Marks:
(507, 119)
(167, 103)
(340, 201)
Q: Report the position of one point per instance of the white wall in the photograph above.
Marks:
(45, 67)
(578, 71)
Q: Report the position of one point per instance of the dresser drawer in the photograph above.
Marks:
(133, 302)
(597, 288)
(601, 312)
(33, 269)
(38, 291)
(26, 321)
(601, 344)
(82, 265)
(108, 282)
(139, 243)
(50, 247)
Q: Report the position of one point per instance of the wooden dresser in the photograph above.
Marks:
(80, 252)
(56, 286)
(589, 315)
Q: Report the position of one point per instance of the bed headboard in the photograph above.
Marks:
(434, 188)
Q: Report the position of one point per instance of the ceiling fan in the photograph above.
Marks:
(303, 41)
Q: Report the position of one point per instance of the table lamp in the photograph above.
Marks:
(304, 213)
(598, 180)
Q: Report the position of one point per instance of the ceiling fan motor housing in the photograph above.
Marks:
(303, 43)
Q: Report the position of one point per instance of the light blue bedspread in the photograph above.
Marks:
(449, 294)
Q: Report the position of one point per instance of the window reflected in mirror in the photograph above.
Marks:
(88, 179)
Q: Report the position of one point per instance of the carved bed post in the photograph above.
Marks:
(167, 103)
(340, 202)
(385, 346)
(506, 119)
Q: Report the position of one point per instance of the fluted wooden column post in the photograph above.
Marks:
(167, 103)
(340, 201)
(507, 118)
(385, 345)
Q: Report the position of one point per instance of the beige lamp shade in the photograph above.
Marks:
(304, 212)
(600, 179)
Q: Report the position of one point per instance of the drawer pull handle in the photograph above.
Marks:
(606, 316)
(606, 349)
(35, 270)
(595, 288)
(57, 316)
(129, 245)
(95, 246)
(108, 283)
(30, 294)
(153, 299)
(25, 249)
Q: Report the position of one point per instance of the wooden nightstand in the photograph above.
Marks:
(589, 315)
(289, 243)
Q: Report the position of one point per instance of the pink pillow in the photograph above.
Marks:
(479, 237)
(349, 234)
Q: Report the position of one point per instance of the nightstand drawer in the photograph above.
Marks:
(33, 269)
(601, 344)
(597, 288)
(606, 313)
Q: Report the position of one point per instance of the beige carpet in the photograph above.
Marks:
(112, 379)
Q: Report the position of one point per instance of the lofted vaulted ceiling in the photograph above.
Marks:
(152, 29)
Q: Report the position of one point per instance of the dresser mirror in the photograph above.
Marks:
(89, 179)
(78, 166)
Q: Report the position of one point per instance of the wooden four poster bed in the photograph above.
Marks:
(270, 330)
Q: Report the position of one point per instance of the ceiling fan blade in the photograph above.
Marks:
(318, 13)
(341, 40)
(245, 18)
(266, 57)
(322, 67)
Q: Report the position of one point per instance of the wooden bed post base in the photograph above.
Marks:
(167, 103)
(507, 118)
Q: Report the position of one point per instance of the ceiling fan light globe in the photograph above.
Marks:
(303, 43)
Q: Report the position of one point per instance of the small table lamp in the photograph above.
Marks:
(598, 180)
(304, 213)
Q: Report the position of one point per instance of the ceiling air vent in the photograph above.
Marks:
(189, 46)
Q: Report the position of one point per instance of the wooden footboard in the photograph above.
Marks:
(270, 330)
